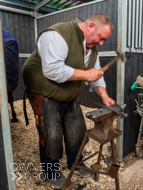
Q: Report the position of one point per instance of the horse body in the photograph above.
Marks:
(11, 66)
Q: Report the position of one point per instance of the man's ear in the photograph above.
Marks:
(91, 26)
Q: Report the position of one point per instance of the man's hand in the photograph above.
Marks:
(108, 101)
(101, 91)
(94, 74)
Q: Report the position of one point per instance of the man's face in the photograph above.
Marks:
(97, 36)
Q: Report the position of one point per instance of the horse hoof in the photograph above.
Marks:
(14, 120)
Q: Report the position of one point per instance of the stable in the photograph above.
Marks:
(25, 19)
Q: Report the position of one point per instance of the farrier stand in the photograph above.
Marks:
(103, 132)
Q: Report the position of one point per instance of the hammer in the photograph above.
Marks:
(120, 55)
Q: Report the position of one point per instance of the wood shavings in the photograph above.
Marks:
(25, 142)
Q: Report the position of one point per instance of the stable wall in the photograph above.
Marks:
(22, 28)
(133, 68)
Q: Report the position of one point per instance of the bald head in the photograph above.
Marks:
(101, 20)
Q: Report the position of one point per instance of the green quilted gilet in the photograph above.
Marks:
(36, 82)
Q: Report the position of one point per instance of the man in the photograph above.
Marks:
(65, 57)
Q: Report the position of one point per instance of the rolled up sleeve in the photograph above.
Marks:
(53, 51)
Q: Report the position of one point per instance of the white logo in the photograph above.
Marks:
(14, 176)
(37, 171)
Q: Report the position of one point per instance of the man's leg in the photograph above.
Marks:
(51, 167)
(50, 135)
(74, 132)
(51, 129)
(71, 155)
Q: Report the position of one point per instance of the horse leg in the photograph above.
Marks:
(11, 100)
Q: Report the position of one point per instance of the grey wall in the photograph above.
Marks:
(133, 68)
(22, 28)
(83, 13)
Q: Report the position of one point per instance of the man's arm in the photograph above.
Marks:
(53, 51)
(100, 87)
(101, 91)
(53, 64)
(90, 75)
